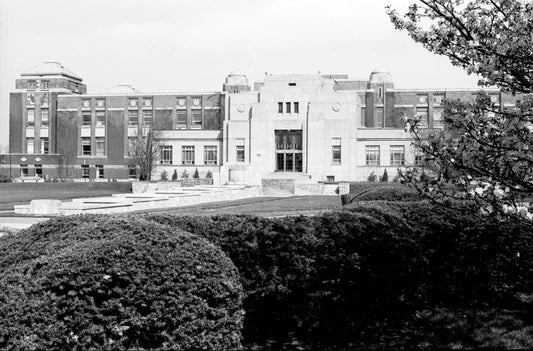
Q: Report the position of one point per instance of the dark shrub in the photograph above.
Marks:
(96, 282)
(388, 193)
(314, 279)
(358, 187)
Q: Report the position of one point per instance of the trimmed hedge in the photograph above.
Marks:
(384, 193)
(314, 280)
(96, 282)
(472, 261)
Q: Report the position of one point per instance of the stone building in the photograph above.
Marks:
(315, 128)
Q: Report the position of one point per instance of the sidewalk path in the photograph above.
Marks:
(19, 222)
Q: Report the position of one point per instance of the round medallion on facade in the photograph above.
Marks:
(100, 103)
(422, 99)
(240, 108)
(336, 107)
(147, 103)
(181, 102)
(196, 102)
(133, 103)
(86, 103)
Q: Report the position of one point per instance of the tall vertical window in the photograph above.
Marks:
(148, 116)
(86, 146)
(397, 155)
(132, 146)
(100, 118)
(99, 171)
(30, 145)
(187, 155)
(419, 157)
(44, 146)
(380, 117)
(239, 149)
(210, 155)
(45, 84)
(44, 115)
(23, 170)
(181, 119)
(422, 116)
(86, 118)
(196, 118)
(31, 115)
(296, 107)
(336, 150)
(288, 107)
(372, 155)
(280, 107)
(85, 171)
(363, 116)
(100, 147)
(133, 117)
(438, 117)
(165, 157)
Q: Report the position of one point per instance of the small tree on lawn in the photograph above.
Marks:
(175, 175)
(484, 157)
(147, 148)
(196, 175)
(209, 175)
(372, 177)
(164, 176)
(385, 177)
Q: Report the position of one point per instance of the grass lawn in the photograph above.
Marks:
(260, 206)
(20, 193)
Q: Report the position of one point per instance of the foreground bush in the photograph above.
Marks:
(95, 282)
(315, 280)
(472, 261)
(383, 193)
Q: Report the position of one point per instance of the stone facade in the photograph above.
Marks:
(310, 128)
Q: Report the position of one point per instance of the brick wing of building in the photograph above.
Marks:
(321, 128)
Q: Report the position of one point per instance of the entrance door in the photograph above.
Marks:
(288, 150)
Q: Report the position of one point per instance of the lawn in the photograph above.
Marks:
(20, 193)
(260, 206)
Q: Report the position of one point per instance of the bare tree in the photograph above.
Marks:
(147, 148)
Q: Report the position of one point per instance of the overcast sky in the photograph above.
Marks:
(177, 45)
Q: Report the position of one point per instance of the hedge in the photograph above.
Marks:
(96, 282)
(384, 193)
(314, 280)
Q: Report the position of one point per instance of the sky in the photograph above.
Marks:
(186, 46)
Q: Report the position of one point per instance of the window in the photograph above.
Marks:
(397, 155)
(44, 115)
(132, 171)
(419, 157)
(288, 107)
(240, 150)
(330, 179)
(44, 146)
(86, 146)
(280, 107)
(85, 171)
(363, 116)
(196, 119)
(187, 155)
(296, 107)
(100, 171)
(39, 171)
(336, 151)
(100, 118)
(132, 146)
(210, 155)
(372, 155)
(100, 147)
(148, 117)
(292, 84)
(23, 170)
(30, 143)
(422, 115)
(438, 117)
(86, 118)
(31, 115)
(45, 84)
(32, 84)
(30, 99)
(380, 121)
(182, 118)
(165, 157)
(133, 118)
(44, 99)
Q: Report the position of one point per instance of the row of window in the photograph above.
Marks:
(43, 84)
(31, 115)
(86, 172)
(397, 155)
(288, 107)
(30, 146)
(422, 114)
(86, 147)
(188, 155)
(24, 170)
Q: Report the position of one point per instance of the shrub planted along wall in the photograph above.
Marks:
(95, 282)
